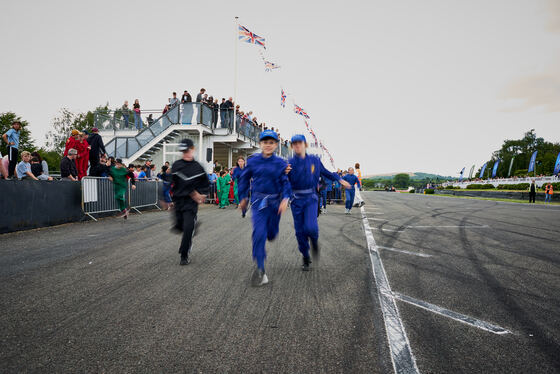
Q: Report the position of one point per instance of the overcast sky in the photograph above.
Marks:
(395, 85)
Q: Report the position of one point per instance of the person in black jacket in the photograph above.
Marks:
(68, 170)
(101, 169)
(190, 187)
(97, 147)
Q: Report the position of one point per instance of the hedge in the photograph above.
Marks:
(518, 186)
(429, 191)
(480, 187)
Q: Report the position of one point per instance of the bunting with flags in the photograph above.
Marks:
(248, 37)
(283, 98)
(299, 110)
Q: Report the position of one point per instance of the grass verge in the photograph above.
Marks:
(496, 199)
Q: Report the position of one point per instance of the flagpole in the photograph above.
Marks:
(235, 76)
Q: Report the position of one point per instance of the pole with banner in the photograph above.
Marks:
(510, 166)
(557, 165)
(235, 75)
(461, 174)
(481, 175)
(532, 164)
(495, 168)
(471, 172)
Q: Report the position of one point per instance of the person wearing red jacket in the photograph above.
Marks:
(72, 142)
(83, 155)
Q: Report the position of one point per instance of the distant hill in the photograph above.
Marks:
(413, 175)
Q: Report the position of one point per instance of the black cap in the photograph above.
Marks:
(131, 166)
(186, 144)
(118, 160)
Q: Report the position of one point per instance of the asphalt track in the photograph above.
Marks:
(110, 297)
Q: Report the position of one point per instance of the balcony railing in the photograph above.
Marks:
(185, 114)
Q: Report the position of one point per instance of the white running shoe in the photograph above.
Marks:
(347, 211)
(259, 278)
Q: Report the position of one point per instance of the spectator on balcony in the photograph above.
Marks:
(101, 169)
(68, 170)
(174, 101)
(11, 137)
(137, 115)
(186, 98)
(97, 148)
(200, 95)
(223, 113)
(125, 111)
(215, 112)
(37, 169)
(23, 169)
(229, 111)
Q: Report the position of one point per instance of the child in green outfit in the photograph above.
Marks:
(223, 188)
(118, 174)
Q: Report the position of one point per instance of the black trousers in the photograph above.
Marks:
(185, 216)
(93, 159)
(532, 196)
(12, 157)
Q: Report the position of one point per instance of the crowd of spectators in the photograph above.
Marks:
(223, 113)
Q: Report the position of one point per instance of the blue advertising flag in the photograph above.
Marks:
(461, 174)
(557, 165)
(532, 162)
(482, 170)
(495, 168)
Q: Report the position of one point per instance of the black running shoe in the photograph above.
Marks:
(185, 260)
(306, 263)
(315, 249)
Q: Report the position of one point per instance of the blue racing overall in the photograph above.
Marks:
(267, 179)
(304, 179)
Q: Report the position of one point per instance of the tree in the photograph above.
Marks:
(26, 143)
(401, 180)
(67, 121)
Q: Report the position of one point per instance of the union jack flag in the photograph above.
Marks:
(299, 110)
(283, 99)
(247, 36)
(268, 66)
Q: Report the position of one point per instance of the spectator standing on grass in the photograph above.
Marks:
(11, 137)
(548, 193)
(125, 110)
(97, 147)
(137, 115)
(37, 169)
(532, 192)
(68, 170)
(23, 169)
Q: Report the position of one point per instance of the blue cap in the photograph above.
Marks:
(298, 138)
(268, 134)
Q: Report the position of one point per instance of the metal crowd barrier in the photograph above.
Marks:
(98, 196)
(145, 194)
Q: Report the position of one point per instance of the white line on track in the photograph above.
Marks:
(404, 251)
(401, 353)
(390, 230)
(448, 227)
(377, 219)
(483, 325)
